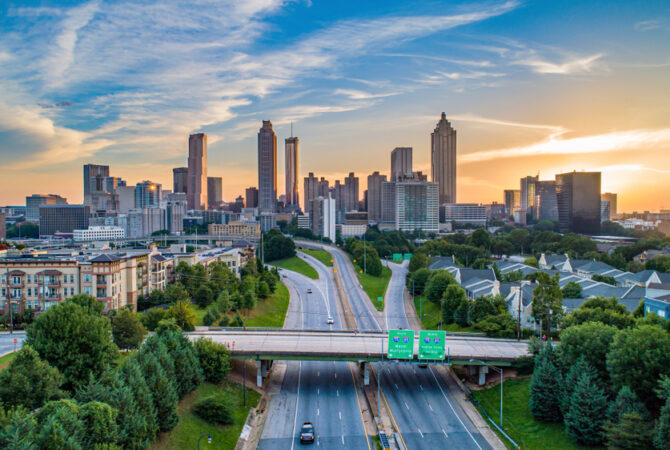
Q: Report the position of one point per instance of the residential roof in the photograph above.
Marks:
(105, 257)
(485, 274)
(442, 262)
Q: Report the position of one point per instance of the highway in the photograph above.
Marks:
(322, 392)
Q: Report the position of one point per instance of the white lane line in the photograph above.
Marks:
(406, 405)
(317, 411)
(445, 433)
(342, 439)
(318, 391)
(420, 432)
(337, 391)
(335, 374)
(429, 406)
(297, 403)
(318, 374)
(340, 414)
(421, 386)
(452, 408)
(396, 386)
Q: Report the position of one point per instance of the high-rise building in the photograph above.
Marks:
(3, 226)
(196, 190)
(292, 167)
(63, 218)
(578, 195)
(322, 217)
(126, 197)
(148, 194)
(99, 188)
(401, 163)
(93, 173)
(267, 168)
(512, 201)
(546, 202)
(612, 198)
(605, 214)
(180, 179)
(443, 159)
(175, 210)
(388, 202)
(346, 196)
(374, 195)
(34, 202)
(464, 213)
(314, 187)
(214, 191)
(251, 197)
(529, 195)
(417, 206)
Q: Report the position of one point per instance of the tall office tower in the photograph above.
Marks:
(612, 198)
(578, 195)
(374, 196)
(416, 206)
(546, 203)
(322, 217)
(313, 188)
(251, 197)
(443, 159)
(401, 163)
(512, 201)
(346, 196)
(292, 166)
(605, 214)
(180, 179)
(388, 202)
(267, 168)
(126, 198)
(528, 195)
(34, 202)
(214, 191)
(63, 218)
(3, 226)
(175, 210)
(93, 173)
(196, 190)
(147, 194)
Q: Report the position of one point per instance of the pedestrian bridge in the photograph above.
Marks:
(355, 346)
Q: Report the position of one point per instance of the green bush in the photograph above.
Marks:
(213, 410)
(214, 359)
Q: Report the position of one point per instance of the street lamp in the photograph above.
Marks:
(209, 439)
(500, 371)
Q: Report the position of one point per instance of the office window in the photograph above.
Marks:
(71, 278)
(27, 278)
(71, 291)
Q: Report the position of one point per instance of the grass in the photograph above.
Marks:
(199, 314)
(431, 315)
(5, 360)
(322, 255)
(191, 427)
(517, 419)
(375, 287)
(297, 265)
(270, 312)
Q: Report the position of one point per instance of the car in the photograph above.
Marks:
(307, 434)
(423, 366)
(309, 291)
(330, 320)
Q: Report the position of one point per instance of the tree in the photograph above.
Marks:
(547, 302)
(263, 290)
(214, 359)
(437, 284)
(579, 368)
(662, 430)
(418, 261)
(572, 290)
(416, 282)
(175, 291)
(585, 419)
(203, 296)
(29, 381)
(484, 306)
(132, 376)
(60, 425)
(631, 432)
(545, 388)
(626, 401)
(187, 371)
(454, 296)
(480, 238)
(182, 312)
(99, 423)
(152, 317)
(162, 391)
(18, 429)
(591, 341)
(638, 359)
(210, 317)
(75, 340)
(127, 329)
(604, 279)
(277, 246)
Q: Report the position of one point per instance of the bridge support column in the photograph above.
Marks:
(259, 373)
(366, 373)
(483, 370)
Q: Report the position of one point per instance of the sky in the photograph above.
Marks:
(532, 87)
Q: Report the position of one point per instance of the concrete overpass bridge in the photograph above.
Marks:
(265, 346)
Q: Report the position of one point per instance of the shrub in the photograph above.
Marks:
(127, 329)
(29, 381)
(213, 410)
(214, 359)
(152, 317)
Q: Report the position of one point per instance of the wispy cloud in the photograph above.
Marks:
(570, 66)
(556, 145)
(362, 95)
(652, 24)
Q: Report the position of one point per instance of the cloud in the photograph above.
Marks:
(61, 104)
(555, 130)
(652, 24)
(555, 145)
(361, 95)
(631, 168)
(575, 65)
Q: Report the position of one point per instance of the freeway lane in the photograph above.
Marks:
(318, 391)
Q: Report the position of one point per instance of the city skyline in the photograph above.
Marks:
(588, 97)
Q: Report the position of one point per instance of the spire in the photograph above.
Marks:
(444, 116)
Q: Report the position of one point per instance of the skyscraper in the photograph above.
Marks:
(322, 217)
(292, 166)
(3, 226)
(251, 197)
(374, 198)
(546, 202)
(578, 196)
(401, 163)
(214, 191)
(267, 168)
(147, 194)
(416, 206)
(528, 190)
(443, 159)
(63, 218)
(196, 190)
(346, 196)
(34, 202)
(179, 179)
(92, 173)
(512, 201)
(314, 188)
(612, 198)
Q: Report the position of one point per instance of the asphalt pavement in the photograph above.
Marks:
(7, 344)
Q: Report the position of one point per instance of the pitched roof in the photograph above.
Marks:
(105, 257)
(442, 262)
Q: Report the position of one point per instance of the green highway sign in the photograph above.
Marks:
(401, 344)
(397, 257)
(432, 344)
(408, 256)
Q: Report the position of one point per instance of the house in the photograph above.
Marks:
(660, 306)
(519, 301)
(643, 278)
(560, 262)
(505, 267)
(651, 254)
(442, 262)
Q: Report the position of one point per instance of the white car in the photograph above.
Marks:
(330, 320)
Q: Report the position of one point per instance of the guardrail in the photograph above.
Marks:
(342, 330)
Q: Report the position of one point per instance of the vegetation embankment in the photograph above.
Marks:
(321, 255)
(297, 265)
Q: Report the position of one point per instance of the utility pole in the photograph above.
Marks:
(9, 304)
(365, 260)
(518, 325)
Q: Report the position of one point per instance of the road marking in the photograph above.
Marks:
(297, 403)
(420, 432)
(340, 414)
(335, 374)
(431, 408)
(358, 402)
(452, 408)
(396, 386)
(317, 411)
(406, 405)
(421, 386)
(342, 439)
(337, 391)
(445, 433)
(318, 374)
(318, 391)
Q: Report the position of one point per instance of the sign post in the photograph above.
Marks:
(401, 344)
(432, 345)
